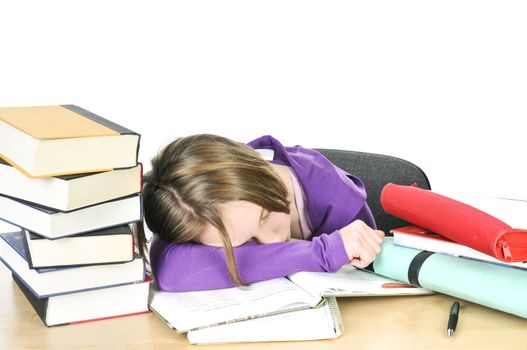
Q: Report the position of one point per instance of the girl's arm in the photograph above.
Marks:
(192, 266)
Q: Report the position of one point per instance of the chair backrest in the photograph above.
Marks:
(376, 170)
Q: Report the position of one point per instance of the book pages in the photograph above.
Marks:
(308, 324)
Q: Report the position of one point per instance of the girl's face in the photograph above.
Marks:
(246, 221)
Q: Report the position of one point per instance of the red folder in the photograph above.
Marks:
(455, 220)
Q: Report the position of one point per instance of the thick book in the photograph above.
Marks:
(94, 305)
(185, 311)
(53, 223)
(412, 236)
(55, 281)
(492, 285)
(111, 245)
(43, 141)
(70, 192)
(309, 324)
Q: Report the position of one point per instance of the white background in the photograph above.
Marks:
(442, 84)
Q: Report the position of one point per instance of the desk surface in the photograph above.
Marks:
(369, 323)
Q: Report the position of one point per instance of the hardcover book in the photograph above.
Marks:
(70, 192)
(93, 305)
(111, 245)
(44, 283)
(43, 141)
(52, 223)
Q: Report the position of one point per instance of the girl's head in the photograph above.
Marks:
(209, 189)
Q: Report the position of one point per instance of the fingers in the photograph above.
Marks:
(362, 243)
(358, 263)
(371, 239)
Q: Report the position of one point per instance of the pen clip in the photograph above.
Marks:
(452, 319)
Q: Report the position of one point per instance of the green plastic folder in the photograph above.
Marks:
(499, 287)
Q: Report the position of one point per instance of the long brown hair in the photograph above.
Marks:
(192, 175)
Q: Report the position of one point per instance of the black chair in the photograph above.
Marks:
(376, 170)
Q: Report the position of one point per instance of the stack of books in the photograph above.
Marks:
(70, 181)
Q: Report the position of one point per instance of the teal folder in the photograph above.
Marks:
(496, 286)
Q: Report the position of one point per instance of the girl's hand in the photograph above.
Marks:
(362, 243)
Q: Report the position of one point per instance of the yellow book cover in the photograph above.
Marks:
(53, 122)
(44, 141)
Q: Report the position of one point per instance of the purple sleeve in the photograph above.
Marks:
(187, 267)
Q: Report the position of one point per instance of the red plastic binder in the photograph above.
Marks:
(455, 220)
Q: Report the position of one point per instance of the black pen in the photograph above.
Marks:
(452, 319)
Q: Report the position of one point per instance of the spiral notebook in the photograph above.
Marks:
(310, 324)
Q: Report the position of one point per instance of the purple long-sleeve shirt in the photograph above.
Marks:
(334, 199)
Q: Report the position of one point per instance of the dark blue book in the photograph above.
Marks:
(50, 282)
(87, 306)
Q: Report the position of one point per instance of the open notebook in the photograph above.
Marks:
(191, 311)
(309, 324)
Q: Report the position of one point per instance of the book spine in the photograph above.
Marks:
(142, 212)
(100, 120)
(140, 177)
(26, 247)
(114, 126)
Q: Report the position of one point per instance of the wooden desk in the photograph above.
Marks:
(370, 323)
